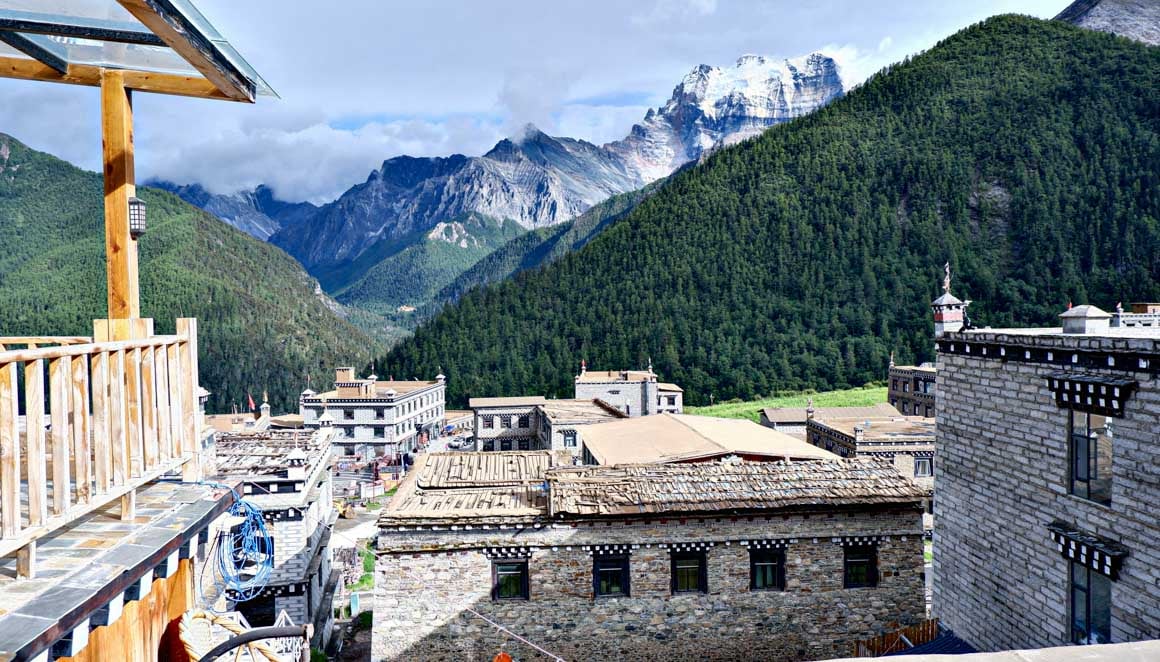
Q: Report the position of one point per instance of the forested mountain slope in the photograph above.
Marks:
(263, 324)
(1025, 152)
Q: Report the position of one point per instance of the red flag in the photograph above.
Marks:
(251, 399)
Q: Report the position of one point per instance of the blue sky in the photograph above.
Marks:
(361, 81)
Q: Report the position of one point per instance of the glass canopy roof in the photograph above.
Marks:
(170, 37)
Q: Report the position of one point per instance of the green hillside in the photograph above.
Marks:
(1025, 152)
(417, 269)
(262, 325)
(866, 396)
(544, 245)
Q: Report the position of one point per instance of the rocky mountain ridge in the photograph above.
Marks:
(258, 212)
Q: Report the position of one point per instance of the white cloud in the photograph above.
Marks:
(885, 43)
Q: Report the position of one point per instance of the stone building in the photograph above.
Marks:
(377, 417)
(792, 420)
(1048, 483)
(907, 441)
(680, 438)
(287, 475)
(634, 392)
(912, 389)
(721, 560)
(535, 423)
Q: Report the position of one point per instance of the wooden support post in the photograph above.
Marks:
(59, 376)
(129, 506)
(82, 450)
(9, 453)
(26, 561)
(120, 248)
(187, 391)
(34, 435)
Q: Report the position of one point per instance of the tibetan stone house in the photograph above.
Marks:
(726, 560)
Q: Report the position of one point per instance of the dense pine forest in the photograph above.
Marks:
(1025, 152)
(261, 324)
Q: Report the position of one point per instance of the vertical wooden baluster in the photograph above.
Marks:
(164, 420)
(59, 374)
(176, 420)
(34, 436)
(188, 327)
(133, 410)
(9, 453)
(117, 439)
(148, 413)
(102, 454)
(82, 450)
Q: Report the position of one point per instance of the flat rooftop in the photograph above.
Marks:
(514, 401)
(894, 428)
(580, 412)
(801, 414)
(683, 438)
(263, 454)
(380, 390)
(600, 376)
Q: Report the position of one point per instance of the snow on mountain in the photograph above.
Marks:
(256, 212)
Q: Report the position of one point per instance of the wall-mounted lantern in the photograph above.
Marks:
(136, 217)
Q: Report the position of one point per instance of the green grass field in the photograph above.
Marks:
(854, 397)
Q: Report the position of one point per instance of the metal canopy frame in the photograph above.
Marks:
(211, 68)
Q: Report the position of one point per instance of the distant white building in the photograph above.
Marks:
(377, 417)
(634, 392)
(535, 423)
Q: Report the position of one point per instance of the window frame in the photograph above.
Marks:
(1083, 635)
(1083, 449)
(524, 421)
(524, 591)
(702, 571)
(570, 438)
(488, 422)
(505, 422)
(928, 462)
(870, 554)
(621, 562)
(755, 559)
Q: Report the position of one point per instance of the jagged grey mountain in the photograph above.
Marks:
(538, 180)
(1135, 19)
(255, 212)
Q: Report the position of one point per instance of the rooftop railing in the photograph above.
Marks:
(84, 423)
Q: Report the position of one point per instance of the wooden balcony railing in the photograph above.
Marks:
(100, 419)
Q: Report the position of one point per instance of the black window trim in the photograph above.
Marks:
(871, 573)
(524, 572)
(624, 561)
(702, 575)
(779, 575)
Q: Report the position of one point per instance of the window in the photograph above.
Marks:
(488, 422)
(923, 467)
(380, 433)
(380, 413)
(348, 414)
(525, 421)
(569, 439)
(489, 445)
(689, 573)
(1091, 606)
(672, 401)
(929, 411)
(610, 575)
(525, 444)
(505, 422)
(505, 444)
(767, 569)
(628, 409)
(509, 580)
(906, 387)
(861, 566)
(894, 384)
(1091, 457)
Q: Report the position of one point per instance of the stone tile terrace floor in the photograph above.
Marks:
(75, 562)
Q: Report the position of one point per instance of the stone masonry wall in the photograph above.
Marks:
(1001, 476)
(422, 597)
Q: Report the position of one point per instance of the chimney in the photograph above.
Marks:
(949, 311)
(296, 464)
(859, 434)
(1085, 320)
(810, 409)
(344, 374)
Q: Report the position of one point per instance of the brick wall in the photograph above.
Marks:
(421, 595)
(1001, 476)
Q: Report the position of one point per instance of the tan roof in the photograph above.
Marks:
(228, 422)
(798, 414)
(682, 437)
(251, 454)
(286, 421)
(446, 470)
(925, 367)
(457, 413)
(666, 386)
(894, 428)
(615, 376)
(517, 401)
(580, 412)
(716, 486)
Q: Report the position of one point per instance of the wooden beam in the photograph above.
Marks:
(186, 40)
(142, 81)
(120, 248)
(34, 50)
